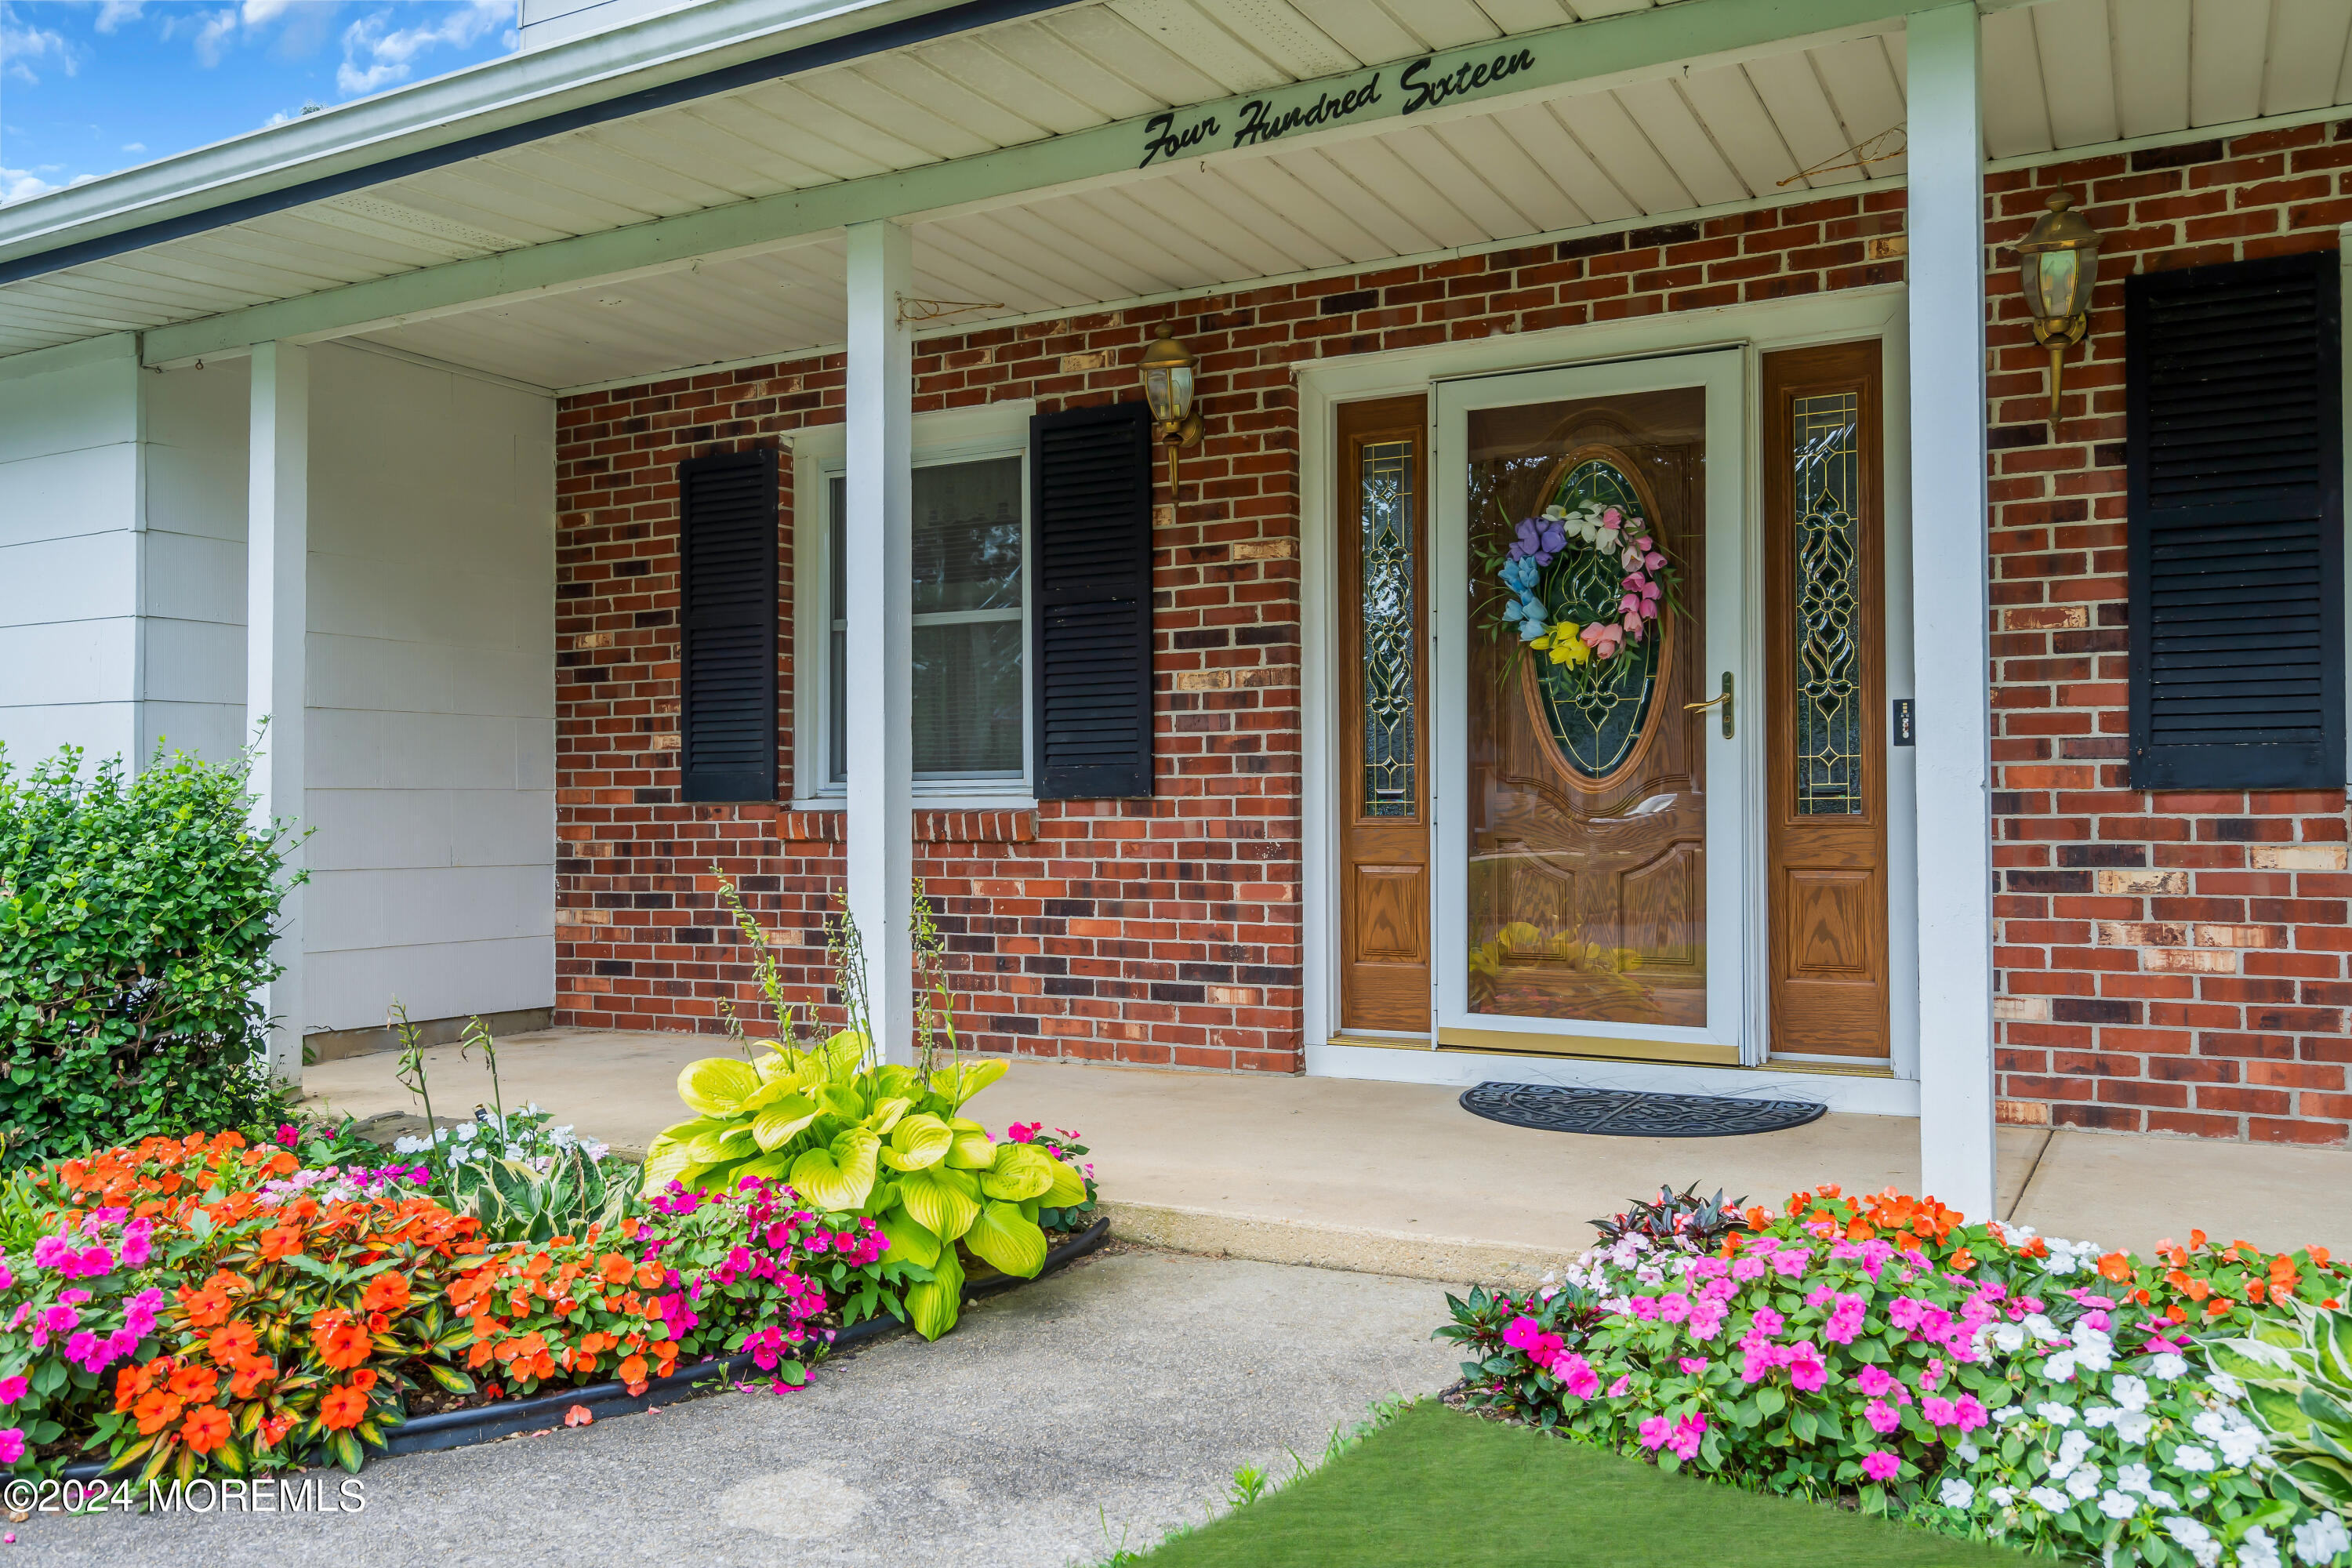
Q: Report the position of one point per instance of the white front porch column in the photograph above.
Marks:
(277, 565)
(1949, 571)
(879, 589)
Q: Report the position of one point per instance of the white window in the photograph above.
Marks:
(971, 597)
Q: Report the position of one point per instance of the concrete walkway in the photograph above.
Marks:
(1397, 1178)
(1099, 1408)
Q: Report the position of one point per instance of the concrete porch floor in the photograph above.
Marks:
(1398, 1179)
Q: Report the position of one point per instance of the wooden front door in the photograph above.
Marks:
(1824, 702)
(1383, 774)
(1588, 808)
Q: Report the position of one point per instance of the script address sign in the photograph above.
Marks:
(1424, 83)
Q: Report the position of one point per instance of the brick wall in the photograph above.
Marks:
(1164, 931)
(2169, 963)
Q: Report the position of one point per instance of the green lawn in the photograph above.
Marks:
(1437, 1487)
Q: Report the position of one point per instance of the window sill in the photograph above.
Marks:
(958, 800)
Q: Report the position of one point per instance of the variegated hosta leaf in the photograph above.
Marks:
(883, 1119)
(2327, 1482)
(972, 1152)
(837, 1177)
(1021, 1171)
(938, 1204)
(933, 1307)
(2252, 1361)
(780, 1062)
(918, 1143)
(1001, 1235)
(909, 1241)
(2277, 1412)
(783, 1120)
(1069, 1188)
(715, 1086)
(964, 1080)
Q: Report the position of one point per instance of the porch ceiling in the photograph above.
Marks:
(2060, 74)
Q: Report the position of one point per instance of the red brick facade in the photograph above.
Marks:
(2171, 964)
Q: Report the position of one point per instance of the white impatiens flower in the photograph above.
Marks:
(2130, 1392)
(2071, 1449)
(2008, 1338)
(2001, 1495)
(2321, 1539)
(2258, 1549)
(2083, 1483)
(2060, 1368)
(2196, 1539)
(2057, 1414)
(2050, 1498)
(1968, 1453)
(2134, 1425)
(2009, 1413)
(2041, 1328)
(2223, 1383)
(1956, 1492)
(2165, 1366)
(2118, 1505)
(2134, 1478)
(2093, 1349)
(2193, 1456)
(2100, 1414)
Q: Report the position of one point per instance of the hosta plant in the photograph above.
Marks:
(882, 1140)
(2297, 1372)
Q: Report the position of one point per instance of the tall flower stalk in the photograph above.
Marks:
(413, 1078)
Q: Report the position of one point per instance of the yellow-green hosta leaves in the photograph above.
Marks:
(960, 1082)
(666, 1158)
(783, 1119)
(1069, 1188)
(933, 1306)
(909, 1242)
(885, 1115)
(1002, 1236)
(918, 1143)
(973, 1149)
(940, 1200)
(1021, 1171)
(839, 1176)
(717, 1085)
(840, 1100)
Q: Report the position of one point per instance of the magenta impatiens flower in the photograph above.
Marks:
(12, 1389)
(1807, 1371)
(1875, 1382)
(1692, 1365)
(1882, 1418)
(1881, 1466)
(12, 1444)
(1576, 1374)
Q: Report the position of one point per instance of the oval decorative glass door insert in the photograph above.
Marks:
(1586, 813)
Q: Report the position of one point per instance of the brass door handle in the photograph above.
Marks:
(1723, 701)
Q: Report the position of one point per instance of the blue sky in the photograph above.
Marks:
(88, 86)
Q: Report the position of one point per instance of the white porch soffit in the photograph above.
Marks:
(707, 230)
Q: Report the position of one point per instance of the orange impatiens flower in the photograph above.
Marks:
(197, 1384)
(250, 1376)
(202, 1307)
(614, 1268)
(2116, 1266)
(633, 1372)
(280, 1241)
(232, 1343)
(387, 1292)
(338, 1342)
(155, 1411)
(342, 1408)
(205, 1430)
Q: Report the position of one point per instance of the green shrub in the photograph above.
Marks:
(136, 914)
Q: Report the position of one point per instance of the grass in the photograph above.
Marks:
(1439, 1488)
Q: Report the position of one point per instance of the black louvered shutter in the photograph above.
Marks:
(1090, 473)
(727, 619)
(2233, 379)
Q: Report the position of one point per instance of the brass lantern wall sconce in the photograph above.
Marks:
(1167, 368)
(2057, 264)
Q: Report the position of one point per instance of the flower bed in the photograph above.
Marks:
(207, 1305)
(1976, 1379)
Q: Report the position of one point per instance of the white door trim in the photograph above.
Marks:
(1755, 329)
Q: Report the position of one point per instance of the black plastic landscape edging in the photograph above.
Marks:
(504, 1418)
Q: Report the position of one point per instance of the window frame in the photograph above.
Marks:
(997, 430)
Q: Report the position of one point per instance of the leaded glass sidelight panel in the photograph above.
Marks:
(1828, 687)
(1390, 683)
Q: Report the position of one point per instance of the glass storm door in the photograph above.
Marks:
(1592, 737)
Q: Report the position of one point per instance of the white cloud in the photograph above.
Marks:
(134, 146)
(257, 12)
(376, 54)
(24, 46)
(22, 185)
(114, 13)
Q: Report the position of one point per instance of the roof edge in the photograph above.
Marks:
(525, 97)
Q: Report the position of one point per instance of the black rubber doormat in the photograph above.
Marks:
(1629, 1113)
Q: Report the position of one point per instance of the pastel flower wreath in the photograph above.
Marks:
(1539, 572)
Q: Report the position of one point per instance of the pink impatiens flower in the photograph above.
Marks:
(1807, 1371)
(1576, 1374)
(1875, 1382)
(1692, 1365)
(1938, 1410)
(1621, 1388)
(1881, 1466)
(12, 1389)
(12, 1444)
(1882, 1418)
